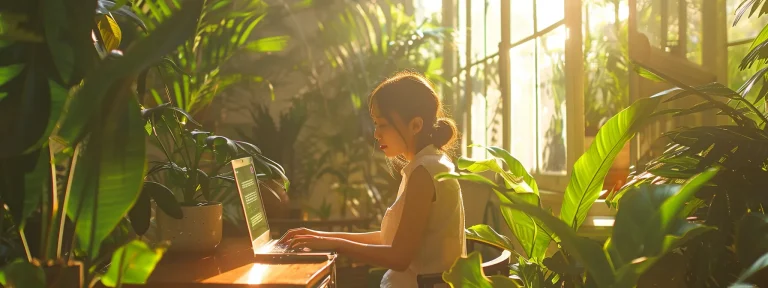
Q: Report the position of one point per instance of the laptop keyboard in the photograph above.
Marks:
(280, 248)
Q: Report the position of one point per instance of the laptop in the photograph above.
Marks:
(265, 249)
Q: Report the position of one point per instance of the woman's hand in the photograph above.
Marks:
(315, 242)
(298, 232)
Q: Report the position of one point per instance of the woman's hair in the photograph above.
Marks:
(410, 95)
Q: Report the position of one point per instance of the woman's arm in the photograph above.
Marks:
(371, 238)
(419, 192)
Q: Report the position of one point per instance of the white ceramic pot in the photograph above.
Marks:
(198, 231)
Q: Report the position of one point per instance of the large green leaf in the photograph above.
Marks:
(22, 274)
(36, 184)
(486, 234)
(468, 272)
(638, 240)
(672, 209)
(512, 181)
(590, 170)
(514, 166)
(169, 35)
(132, 264)
(108, 176)
(532, 235)
(585, 250)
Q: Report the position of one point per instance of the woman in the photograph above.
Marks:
(423, 231)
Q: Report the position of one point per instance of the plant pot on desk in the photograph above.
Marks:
(198, 231)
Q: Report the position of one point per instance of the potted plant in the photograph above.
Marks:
(192, 182)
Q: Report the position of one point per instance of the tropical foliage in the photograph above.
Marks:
(68, 105)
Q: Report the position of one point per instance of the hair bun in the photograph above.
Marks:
(445, 133)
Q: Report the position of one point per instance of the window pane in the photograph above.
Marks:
(461, 35)
(479, 111)
(551, 106)
(478, 30)
(523, 104)
(521, 19)
(737, 77)
(427, 9)
(548, 12)
(747, 28)
(492, 27)
(493, 102)
(695, 31)
(649, 20)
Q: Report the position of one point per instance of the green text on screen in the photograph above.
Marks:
(253, 209)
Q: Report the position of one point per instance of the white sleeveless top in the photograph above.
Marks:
(444, 239)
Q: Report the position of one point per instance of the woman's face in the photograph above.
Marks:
(390, 140)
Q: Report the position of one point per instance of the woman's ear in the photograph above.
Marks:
(416, 125)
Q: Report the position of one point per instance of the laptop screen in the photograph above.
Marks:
(245, 177)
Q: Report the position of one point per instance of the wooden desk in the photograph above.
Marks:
(231, 265)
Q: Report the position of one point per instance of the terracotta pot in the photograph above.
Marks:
(198, 231)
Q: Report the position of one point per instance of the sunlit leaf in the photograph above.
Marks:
(108, 176)
(467, 272)
(22, 274)
(592, 167)
(132, 264)
(110, 31)
(269, 44)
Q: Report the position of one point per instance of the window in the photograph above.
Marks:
(478, 54)
(538, 75)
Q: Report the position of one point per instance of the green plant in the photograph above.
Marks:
(739, 149)
(53, 64)
(193, 166)
(224, 29)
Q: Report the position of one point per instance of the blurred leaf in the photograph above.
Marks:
(141, 212)
(108, 176)
(132, 264)
(751, 237)
(36, 184)
(164, 199)
(268, 44)
(757, 266)
(467, 272)
(9, 72)
(159, 110)
(22, 274)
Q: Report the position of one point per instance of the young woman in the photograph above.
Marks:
(423, 231)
